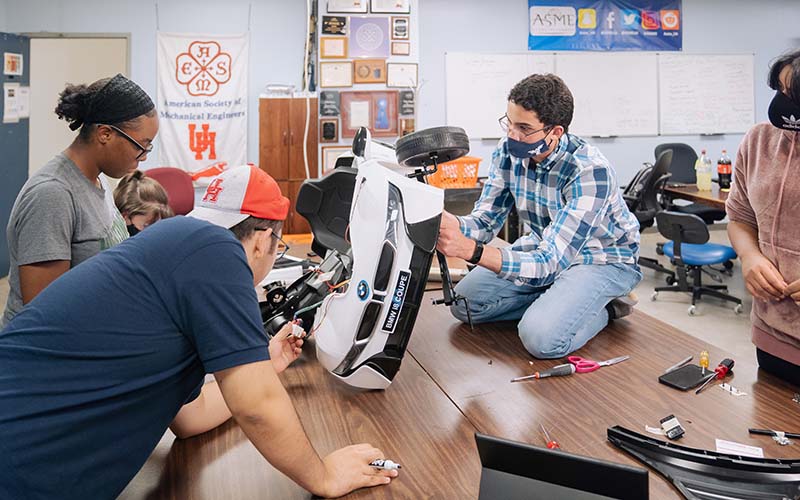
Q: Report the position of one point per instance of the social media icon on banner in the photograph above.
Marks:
(670, 19)
(611, 17)
(587, 18)
(630, 17)
(650, 20)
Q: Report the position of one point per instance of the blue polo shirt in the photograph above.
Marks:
(96, 367)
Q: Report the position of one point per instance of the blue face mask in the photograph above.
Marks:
(520, 149)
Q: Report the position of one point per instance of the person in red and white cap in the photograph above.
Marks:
(117, 349)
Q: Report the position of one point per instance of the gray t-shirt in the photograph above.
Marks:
(59, 215)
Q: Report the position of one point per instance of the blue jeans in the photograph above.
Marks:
(553, 320)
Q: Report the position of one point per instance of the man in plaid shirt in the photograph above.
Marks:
(574, 272)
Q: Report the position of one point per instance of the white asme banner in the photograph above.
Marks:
(202, 99)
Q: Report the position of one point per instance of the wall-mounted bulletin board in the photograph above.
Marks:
(368, 71)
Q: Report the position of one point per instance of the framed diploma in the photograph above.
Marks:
(344, 6)
(332, 47)
(401, 75)
(391, 6)
(336, 74)
(330, 154)
(401, 48)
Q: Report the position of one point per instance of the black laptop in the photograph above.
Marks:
(516, 471)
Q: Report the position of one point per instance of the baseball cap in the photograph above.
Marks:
(238, 193)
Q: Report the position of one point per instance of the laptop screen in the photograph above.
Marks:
(514, 470)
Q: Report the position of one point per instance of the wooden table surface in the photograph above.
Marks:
(714, 198)
(454, 382)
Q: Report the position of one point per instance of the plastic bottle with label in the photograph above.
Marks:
(703, 169)
(724, 171)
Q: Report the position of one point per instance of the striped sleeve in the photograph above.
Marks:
(587, 200)
(495, 202)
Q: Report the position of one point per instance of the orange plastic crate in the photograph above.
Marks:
(460, 173)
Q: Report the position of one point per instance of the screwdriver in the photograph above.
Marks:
(556, 371)
(719, 373)
(551, 443)
(703, 361)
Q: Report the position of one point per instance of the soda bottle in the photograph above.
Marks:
(703, 168)
(724, 171)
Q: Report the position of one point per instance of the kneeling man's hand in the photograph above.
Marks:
(452, 241)
(284, 348)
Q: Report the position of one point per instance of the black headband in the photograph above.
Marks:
(118, 101)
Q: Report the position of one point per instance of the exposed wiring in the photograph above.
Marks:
(334, 287)
(308, 308)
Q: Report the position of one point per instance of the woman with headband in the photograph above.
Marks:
(65, 212)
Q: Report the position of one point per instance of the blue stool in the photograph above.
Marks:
(689, 250)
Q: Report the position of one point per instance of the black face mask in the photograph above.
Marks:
(784, 113)
(132, 230)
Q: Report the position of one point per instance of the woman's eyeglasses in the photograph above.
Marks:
(143, 150)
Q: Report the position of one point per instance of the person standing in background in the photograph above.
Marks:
(762, 205)
(65, 212)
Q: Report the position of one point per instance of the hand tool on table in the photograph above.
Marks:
(724, 367)
(586, 365)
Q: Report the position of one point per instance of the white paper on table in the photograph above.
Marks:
(24, 102)
(359, 114)
(744, 450)
(10, 92)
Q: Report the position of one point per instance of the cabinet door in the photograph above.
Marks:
(273, 137)
(297, 124)
(299, 223)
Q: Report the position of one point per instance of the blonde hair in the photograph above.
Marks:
(137, 194)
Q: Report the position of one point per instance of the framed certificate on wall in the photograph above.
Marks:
(401, 75)
(336, 74)
(329, 155)
(390, 6)
(332, 47)
(343, 6)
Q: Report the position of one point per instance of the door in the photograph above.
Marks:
(54, 63)
(13, 141)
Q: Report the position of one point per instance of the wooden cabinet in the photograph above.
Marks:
(281, 124)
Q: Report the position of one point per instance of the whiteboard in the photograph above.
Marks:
(615, 94)
(477, 87)
(706, 94)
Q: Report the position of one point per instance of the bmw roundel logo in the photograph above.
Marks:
(362, 290)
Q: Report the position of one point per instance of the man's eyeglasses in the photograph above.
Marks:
(523, 130)
(283, 247)
(143, 150)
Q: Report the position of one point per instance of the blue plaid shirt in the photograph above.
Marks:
(572, 203)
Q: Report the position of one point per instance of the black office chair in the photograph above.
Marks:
(682, 170)
(689, 250)
(643, 197)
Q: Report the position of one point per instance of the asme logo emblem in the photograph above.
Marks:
(670, 20)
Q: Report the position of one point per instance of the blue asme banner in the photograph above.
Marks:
(606, 25)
